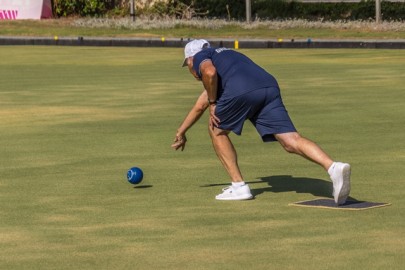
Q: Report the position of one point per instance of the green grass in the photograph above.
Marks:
(74, 119)
(210, 29)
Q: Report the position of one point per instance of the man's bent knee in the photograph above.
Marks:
(289, 141)
(217, 131)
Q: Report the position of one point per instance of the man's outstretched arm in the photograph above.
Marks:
(192, 117)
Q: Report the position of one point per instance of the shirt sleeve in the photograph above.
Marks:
(199, 58)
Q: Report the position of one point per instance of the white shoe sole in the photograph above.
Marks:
(342, 193)
(238, 198)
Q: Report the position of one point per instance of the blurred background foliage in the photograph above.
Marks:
(230, 9)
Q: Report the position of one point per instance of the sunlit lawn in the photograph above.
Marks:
(74, 119)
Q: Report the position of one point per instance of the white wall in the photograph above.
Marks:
(25, 9)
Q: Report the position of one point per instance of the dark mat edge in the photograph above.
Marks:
(299, 204)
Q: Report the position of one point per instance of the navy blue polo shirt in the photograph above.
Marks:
(237, 74)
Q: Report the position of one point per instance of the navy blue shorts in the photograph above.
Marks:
(263, 107)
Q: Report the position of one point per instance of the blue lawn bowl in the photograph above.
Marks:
(135, 175)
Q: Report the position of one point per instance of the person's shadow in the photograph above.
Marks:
(288, 183)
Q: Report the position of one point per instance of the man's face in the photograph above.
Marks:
(190, 68)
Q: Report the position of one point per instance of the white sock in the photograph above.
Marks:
(330, 170)
(238, 184)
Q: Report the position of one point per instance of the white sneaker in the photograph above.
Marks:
(235, 194)
(340, 176)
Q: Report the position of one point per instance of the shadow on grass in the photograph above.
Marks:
(288, 183)
(143, 186)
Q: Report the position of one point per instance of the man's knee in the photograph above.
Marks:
(289, 141)
(290, 147)
(217, 132)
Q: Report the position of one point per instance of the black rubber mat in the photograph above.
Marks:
(349, 205)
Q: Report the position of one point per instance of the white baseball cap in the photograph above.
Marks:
(193, 47)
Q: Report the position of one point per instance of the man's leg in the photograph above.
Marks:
(294, 143)
(339, 172)
(227, 155)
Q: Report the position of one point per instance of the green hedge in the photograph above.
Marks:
(94, 8)
(235, 9)
(64, 8)
(282, 9)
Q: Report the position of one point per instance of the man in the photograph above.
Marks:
(236, 89)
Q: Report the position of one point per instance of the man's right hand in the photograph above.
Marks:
(179, 141)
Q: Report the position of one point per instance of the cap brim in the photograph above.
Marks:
(184, 62)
